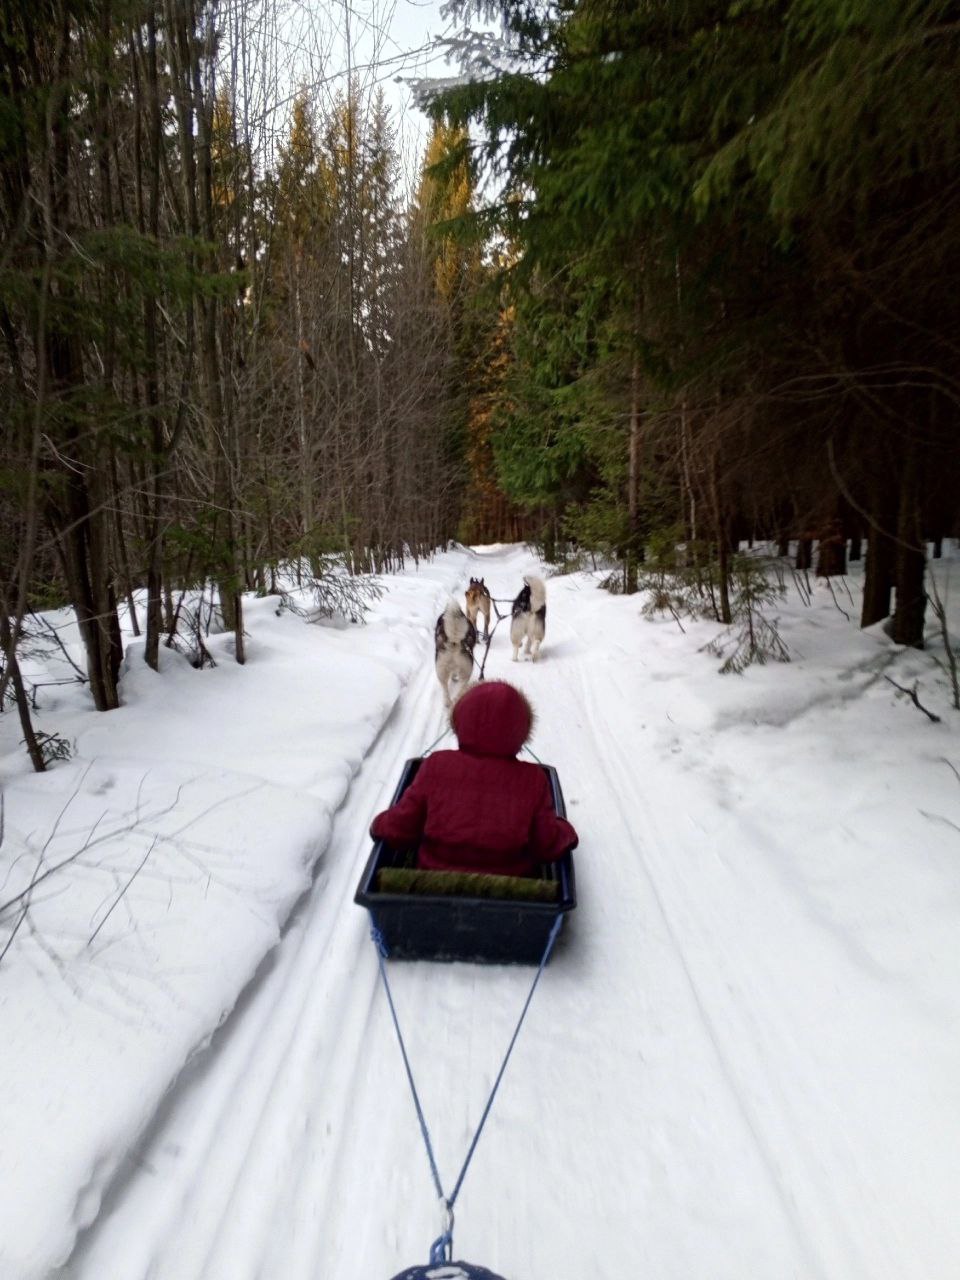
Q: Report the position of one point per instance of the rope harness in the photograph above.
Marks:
(489, 635)
(442, 1248)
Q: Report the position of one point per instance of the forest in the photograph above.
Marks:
(669, 278)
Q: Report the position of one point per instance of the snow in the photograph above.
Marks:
(742, 1060)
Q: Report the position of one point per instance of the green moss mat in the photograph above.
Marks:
(466, 884)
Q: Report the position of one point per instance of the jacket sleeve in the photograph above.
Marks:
(404, 821)
(550, 835)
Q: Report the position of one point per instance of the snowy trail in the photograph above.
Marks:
(687, 1100)
(219, 1141)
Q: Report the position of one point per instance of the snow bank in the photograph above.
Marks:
(164, 859)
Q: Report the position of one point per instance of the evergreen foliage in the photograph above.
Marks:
(734, 273)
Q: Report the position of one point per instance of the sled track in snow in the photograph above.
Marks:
(200, 1171)
(742, 1016)
(640, 815)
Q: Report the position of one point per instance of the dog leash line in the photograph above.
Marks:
(427, 751)
(442, 1248)
(487, 639)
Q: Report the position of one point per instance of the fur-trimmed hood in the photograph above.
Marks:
(492, 719)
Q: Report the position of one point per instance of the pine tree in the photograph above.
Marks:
(769, 219)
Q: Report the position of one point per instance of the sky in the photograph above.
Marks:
(385, 43)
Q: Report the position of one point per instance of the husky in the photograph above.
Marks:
(528, 617)
(455, 637)
(478, 601)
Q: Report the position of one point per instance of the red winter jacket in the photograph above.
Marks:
(479, 808)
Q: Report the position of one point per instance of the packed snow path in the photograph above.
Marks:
(740, 1064)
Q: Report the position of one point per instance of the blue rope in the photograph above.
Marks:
(381, 957)
(487, 639)
(434, 743)
(442, 1248)
(513, 1040)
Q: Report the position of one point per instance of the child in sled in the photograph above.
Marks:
(480, 808)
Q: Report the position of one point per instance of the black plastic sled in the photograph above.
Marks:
(422, 925)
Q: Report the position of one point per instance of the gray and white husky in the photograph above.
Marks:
(455, 637)
(528, 617)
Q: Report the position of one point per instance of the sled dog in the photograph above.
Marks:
(478, 601)
(528, 617)
(455, 637)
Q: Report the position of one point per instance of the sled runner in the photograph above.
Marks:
(442, 915)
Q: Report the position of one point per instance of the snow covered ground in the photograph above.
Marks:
(742, 1061)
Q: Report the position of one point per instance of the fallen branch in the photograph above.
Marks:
(835, 600)
(912, 694)
(89, 843)
(117, 900)
(803, 589)
(16, 929)
(51, 631)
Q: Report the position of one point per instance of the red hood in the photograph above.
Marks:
(492, 719)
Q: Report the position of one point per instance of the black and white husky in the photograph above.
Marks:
(528, 617)
(455, 637)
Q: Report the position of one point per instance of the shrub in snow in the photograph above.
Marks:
(751, 637)
(328, 591)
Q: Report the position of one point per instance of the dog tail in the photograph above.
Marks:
(538, 591)
(455, 623)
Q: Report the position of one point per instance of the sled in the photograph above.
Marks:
(483, 920)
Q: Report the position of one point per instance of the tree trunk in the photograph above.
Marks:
(20, 693)
(304, 441)
(154, 425)
(120, 541)
(633, 483)
(878, 580)
(691, 510)
(726, 613)
(81, 520)
(910, 563)
(723, 546)
(831, 551)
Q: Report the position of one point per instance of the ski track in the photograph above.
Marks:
(299, 1107)
(221, 1123)
(742, 1015)
(693, 928)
